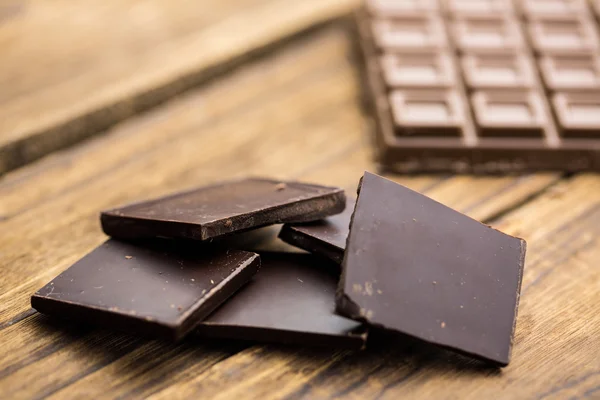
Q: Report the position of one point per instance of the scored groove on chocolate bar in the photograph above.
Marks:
(483, 86)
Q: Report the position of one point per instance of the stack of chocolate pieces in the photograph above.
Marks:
(483, 85)
(393, 259)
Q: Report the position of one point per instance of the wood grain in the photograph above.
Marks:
(71, 69)
(293, 114)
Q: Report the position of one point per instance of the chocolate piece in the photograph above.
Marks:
(222, 209)
(427, 112)
(498, 71)
(460, 126)
(572, 34)
(326, 238)
(290, 300)
(552, 8)
(395, 8)
(571, 72)
(415, 266)
(156, 288)
(515, 113)
(409, 33)
(486, 33)
(418, 69)
(579, 113)
(479, 7)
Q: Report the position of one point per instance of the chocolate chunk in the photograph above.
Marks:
(213, 211)
(326, 238)
(290, 300)
(156, 288)
(456, 85)
(415, 266)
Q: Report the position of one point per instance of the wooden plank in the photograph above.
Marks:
(294, 114)
(72, 69)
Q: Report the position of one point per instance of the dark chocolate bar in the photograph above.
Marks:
(483, 86)
(159, 288)
(415, 266)
(290, 300)
(326, 238)
(218, 210)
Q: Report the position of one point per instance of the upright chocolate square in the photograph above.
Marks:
(415, 266)
(222, 209)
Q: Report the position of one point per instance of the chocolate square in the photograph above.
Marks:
(479, 7)
(501, 70)
(486, 33)
(571, 72)
(578, 114)
(427, 112)
(395, 8)
(433, 69)
(222, 209)
(552, 8)
(509, 113)
(569, 34)
(424, 32)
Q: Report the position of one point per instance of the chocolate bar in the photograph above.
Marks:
(223, 209)
(485, 86)
(415, 266)
(158, 288)
(290, 300)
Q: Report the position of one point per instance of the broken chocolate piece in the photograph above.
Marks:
(222, 209)
(326, 238)
(158, 288)
(415, 266)
(290, 300)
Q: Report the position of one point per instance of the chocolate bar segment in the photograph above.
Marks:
(553, 8)
(326, 238)
(427, 112)
(579, 113)
(222, 209)
(423, 32)
(415, 266)
(290, 300)
(505, 67)
(486, 33)
(574, 34)
(571, 72)
(478, 7)
(159, 288)
(419, 69)
(514, 113)
(498, 71)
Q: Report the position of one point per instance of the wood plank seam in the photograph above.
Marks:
(19, 153)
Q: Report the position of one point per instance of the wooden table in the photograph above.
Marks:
(168, 98)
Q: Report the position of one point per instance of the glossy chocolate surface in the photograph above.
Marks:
(415, 266)
(290, 300)
(222, 209)
(154, 288)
